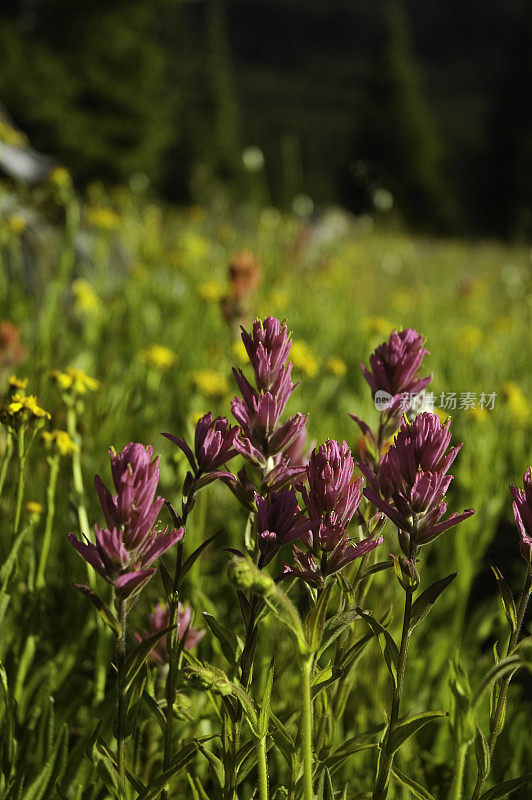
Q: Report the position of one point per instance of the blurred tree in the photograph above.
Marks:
(397, 146)
(224, 150)
(506, 183)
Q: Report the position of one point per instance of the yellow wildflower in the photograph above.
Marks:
(87, 301)
(304, 359)
(194, 417)
(517, 403)
(33, 508)
(335, 366)
(194, 246)
(22, 407)
(443, 416)
(104, 218)
(469, 338)
(239, 352)
(16, 224)
(10, 135)
(59, 176)
(196, 213)
(159, 356)
(210, 383)
(478, 413)
(76, 380)
(212, 291)
(17, 383)
(380, 325)
(62, 441)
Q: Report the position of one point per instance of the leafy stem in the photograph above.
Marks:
(50, 512)
(498, 716)
(121, 713)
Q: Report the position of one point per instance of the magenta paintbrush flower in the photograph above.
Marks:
(160, 619)
(214, 444)
(332, 500)
(126, 549)
(268, 347)
(413, 480)
(523, 514)
(258, 411)
(395, 364)
(277, 522)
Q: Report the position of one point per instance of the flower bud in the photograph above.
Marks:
(247, 577)
(406, 572)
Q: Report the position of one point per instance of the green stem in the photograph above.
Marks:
(458, 777)
(174, 661)
(381, 785)
(50, 511)
(77, 475)
(121, 720)
(497, 719)
(306, 727)
(263, 768)
(20, 477)
(7, 458)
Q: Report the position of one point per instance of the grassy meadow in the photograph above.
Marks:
(130, 293)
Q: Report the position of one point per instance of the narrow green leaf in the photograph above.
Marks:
(230, 642)
(184, 757)
(315, 621)
(482, 753)
(11, 560)
(504, 788)
(415, 789)
(334, 627)
(167, 581)
(139, 655)
(197, 552)
(216, 765)
(387, 644)
(44, 784)
(105, 613)
(506, 597)
(264, 715)
(502, 667)
(381, 565)
(155, 710)
(132, 778)
(410, 727)
(363, 741)
(426, 600)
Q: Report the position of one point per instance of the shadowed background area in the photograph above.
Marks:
(338, 100)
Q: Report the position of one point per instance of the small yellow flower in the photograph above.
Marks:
(380, 325)
(104, 218)
(196, 213)
(212, 291)
(87, 301)
(443, 416)
(34, 509)
(76, 380)
(62, 441)
(239, 352)
(335, 366)
(478, 414)
(194, 246)
(194, 417)
(210, 383)
(60, 177)
(17, 383)
(11, 136)
(158, 356)
(304, 359)
(469, 338)
(22, 408)
(16, 224)
(517, 403)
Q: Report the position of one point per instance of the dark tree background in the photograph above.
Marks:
(425, 98)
